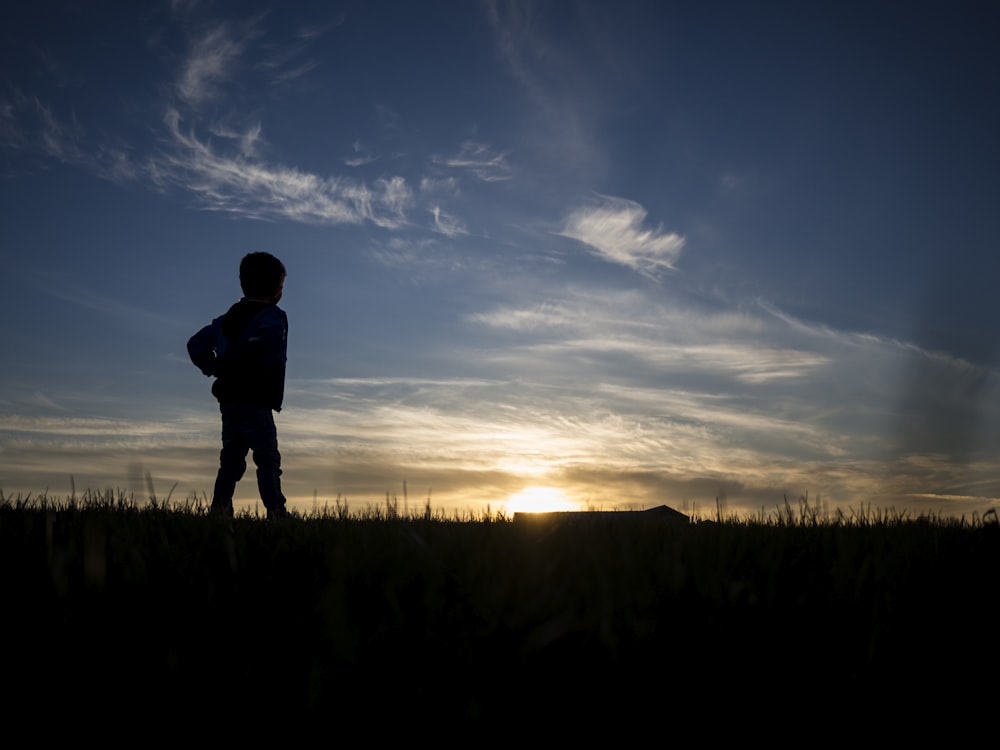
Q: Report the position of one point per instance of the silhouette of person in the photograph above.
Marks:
(245, 350)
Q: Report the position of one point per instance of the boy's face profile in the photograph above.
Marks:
(276, 296)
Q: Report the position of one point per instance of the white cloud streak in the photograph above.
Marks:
(258, 190)
(211, 56)
(479, 160)
(446, 224)
(613, 230)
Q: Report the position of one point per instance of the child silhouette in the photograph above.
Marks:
(245, 350)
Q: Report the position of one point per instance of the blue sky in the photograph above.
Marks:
(637, 253)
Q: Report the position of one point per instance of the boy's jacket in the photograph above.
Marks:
(245, 350)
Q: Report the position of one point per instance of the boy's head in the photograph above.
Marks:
(262, 276)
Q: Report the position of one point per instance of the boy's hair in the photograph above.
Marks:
(260, 274)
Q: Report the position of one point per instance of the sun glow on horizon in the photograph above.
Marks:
(540, 500)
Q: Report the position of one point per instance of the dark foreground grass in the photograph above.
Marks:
(119, 614)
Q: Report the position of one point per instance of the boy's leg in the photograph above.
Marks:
(268, 460)
(232, 459)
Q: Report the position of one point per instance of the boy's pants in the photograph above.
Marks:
(247, 427)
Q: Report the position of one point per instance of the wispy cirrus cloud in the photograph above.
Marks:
(445, 223)
(361, 156)
(480, 160)
(68, 429)
(664, 345)
(227, 174)
(223, 173)
(762, 368)
(231, 182)
(28, 125)
(613, 229)
(212, 54)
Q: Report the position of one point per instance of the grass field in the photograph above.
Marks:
(157, 610)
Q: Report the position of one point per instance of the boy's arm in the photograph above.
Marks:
(270, 340)
(201, 348)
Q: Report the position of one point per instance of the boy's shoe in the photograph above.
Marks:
(221, 511)
(274, 514)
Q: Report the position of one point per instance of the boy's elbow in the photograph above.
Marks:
(205, 362)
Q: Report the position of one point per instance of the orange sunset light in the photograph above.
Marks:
(540, 500)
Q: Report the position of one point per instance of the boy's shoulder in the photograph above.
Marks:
(270, 321)
(274, 313)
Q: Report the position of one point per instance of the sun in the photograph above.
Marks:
(539, 500)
